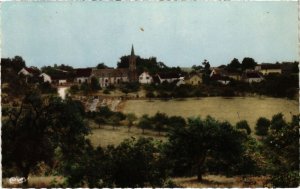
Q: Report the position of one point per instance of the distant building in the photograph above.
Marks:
(29, 71)
(31, 74)
(46, 78)
(145, 78)
(82, 75)
(220, 75)
(168, 77)
(252, 77)
(111, 76)
(266, 69)
(194, 79)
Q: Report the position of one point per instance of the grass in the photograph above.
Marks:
(223, 109)
(106, 135)
(220, 181)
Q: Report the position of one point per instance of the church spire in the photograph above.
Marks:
(132, 51)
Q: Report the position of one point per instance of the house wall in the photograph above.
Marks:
(24, 72)
(106, 81)
(81, 79)
(46, 78)
(268, 71)
(145, 78)
(194, 80)
(62, 81)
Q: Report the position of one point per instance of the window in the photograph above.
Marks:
(141, 78)
(147, 78)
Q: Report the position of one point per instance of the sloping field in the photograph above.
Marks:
(230, 109)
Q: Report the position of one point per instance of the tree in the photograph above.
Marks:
(262, 126)
(278, 122)
(243, 125)
(205, 76)
(190, 147)
(35, 129)
(145, 123)
(176, 121)
(101, 66)
(130, 118)
(160, 120)
(95, 86)
(281, 148)
(115, 121)
(248, 63)
(234, 66)
(137, 163)
(100, 120)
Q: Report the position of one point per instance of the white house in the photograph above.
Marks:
(145, 78)
(169, 77)
(46, 77)
(252, 77)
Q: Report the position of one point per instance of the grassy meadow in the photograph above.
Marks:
(230, 109)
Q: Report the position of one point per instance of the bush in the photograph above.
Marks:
(244, 125)
(262, 126)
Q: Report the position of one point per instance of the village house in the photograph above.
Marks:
(60, 78)
(169, 77)
(235, 76)
(110, 76)
(113, 76)
(31, 74)
(266, 69)
(145, 78)
(252, 76)
(46, 78)
(82, 75)
(193, 79)
(220, 75)
(32, 71)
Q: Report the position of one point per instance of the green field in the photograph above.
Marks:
(230, 109)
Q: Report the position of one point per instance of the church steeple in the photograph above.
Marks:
(132, 66)
(132, 51)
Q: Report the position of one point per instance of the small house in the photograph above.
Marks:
(266, 69)
(82, 75)
(194, 79)
(168, 77)
(145, 78)
(252, 77)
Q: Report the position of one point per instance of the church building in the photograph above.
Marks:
(114, 76)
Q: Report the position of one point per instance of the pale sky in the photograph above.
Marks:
(83, 34)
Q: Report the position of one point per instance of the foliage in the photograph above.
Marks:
(262, 126)
(130, 118)
(243, 125)
(145, 123)
(281, 148)
(248, 63)
(46, 88)
(101, 66)
(74, 89)
(160, 121)
(36, 128)
(190, 147)
(234, 66)
(95, 86)
(136, 163)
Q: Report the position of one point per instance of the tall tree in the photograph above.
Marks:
(35, 129)
(248, 63)
(234, 66)
(189, 147)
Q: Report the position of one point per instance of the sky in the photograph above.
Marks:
(83, 34)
